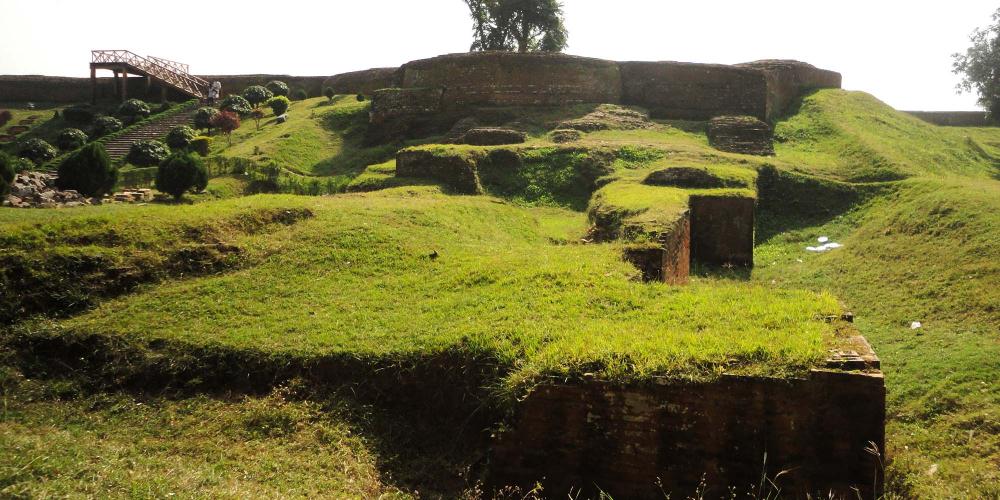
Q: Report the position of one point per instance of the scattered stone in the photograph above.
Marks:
(608, 117)
(916, 325)
(741, 134)
(283, 118)
(564, 135)
(492, 137)
(38, 190)
(686, 177)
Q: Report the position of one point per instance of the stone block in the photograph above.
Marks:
(741, 134)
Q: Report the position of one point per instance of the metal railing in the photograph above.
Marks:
(172, 73)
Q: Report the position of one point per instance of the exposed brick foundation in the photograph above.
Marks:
(364, 82)
(694, 91)
(788, 80)
(741, 134)
(456, 171)
(722, 230)
(626, 440)
(668, 261)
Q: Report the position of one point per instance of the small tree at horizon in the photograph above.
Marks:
(203, 118)
(980, 67)
(277, 87)
(257, 95)
(88, 171)
(257, 114)
(329, 93)
(521, 25)
(227, 122)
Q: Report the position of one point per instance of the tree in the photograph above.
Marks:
(277, 87)
(180, 137)
(256, 94)
(227, 122)
(524, 25)
(257, 114)
(179, 173)
(329, 93)
(70, 139)
(203, 118)
(279, 105)
(6, 173)
(147, 153)
(88, 171)
(980, 67)
(37, 150)
(237, 104)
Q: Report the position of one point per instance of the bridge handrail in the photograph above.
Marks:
(171, 72)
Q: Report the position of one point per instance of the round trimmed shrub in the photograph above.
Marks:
(80, 115)
(147, 153)
(279, 105)
(256, 95)
(360, 97)
(38, 151)
(180, 173)
(88, 171)
(180, 137)
(300, 95)
(70, 139)
(201, 145)
(106, 125)
(277, 87)
(237, 104)
(6, 173)
(203, 118)
(329, 93)
(134, 108)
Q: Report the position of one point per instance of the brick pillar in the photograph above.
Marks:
(93, 85)
(124, 85)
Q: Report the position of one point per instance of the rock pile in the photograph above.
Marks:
(37, 190)
(741, 134)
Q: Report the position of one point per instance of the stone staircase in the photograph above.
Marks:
(118, 147)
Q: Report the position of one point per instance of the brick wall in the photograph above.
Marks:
(364, 82)
(631, 442)
(235, 84)
(954, 118)
(722, 229)
(787, 80)
(694, 91)
(512, 79)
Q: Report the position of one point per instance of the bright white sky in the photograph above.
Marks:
(898, 50)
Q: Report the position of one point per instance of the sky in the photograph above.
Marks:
(900, 51)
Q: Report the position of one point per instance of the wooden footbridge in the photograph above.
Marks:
(163, 72)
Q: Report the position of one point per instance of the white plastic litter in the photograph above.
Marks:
(825, 246)
(823, 239)
(916, 325)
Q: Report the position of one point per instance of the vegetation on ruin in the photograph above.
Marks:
(397, 279)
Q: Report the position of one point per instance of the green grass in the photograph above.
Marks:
(357, 280)
(59, 442)
(320, 138)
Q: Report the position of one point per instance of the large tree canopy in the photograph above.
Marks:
(980, 67)
(522, 25)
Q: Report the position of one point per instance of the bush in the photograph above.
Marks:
(134, 108)
(180, 137)
(147, 153)
(6, 173)
(236, 104)
(70, 139)
(277, 87)
(256, 95)
(279, 105)
(5, 116)
(38, 151)
(201, 145)
(164, 107)
(300, 95)
(180, 173)
(360, 97)
(88, 171)
(106, 125)
(203, 118)
(329, 93)
(227, 122)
